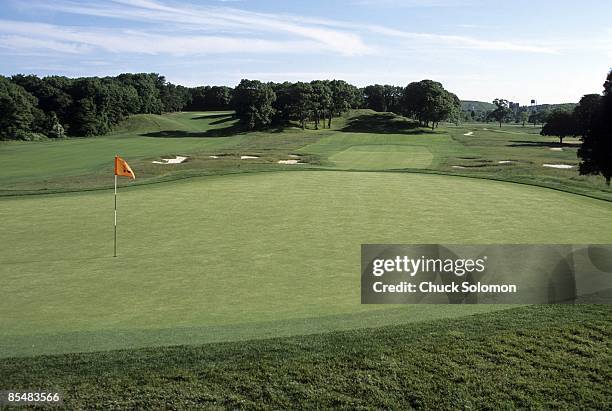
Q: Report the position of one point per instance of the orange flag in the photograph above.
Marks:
(122, 168)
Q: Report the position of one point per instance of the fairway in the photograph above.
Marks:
(247, 256)
(370, 157)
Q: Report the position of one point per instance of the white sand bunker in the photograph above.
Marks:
(471, 133)
(557, 166)
(458, 167)
(247, 157)
(177, 160)
(505, 161)
(289, 162)
(213, 156)
(556, 149)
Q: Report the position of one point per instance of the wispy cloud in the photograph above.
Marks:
(21, 43)
(81, 40)
(412, 3)
(464, 42)
(222, 20)
(168, 28)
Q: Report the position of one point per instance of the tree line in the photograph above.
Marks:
(260, 105)
(591, 120)
(34, 108)
(513, 112)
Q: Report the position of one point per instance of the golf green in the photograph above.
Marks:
(377, 157)
(247, 256)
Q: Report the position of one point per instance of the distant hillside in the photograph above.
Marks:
(551, 107)
(482, 106)
(477, 106)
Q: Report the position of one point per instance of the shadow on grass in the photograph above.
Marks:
(384, 123)
(222, 120)
(220, 132)
(551, 144)
(209, 116)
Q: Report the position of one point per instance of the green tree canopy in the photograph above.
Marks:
(596, 150)
(561, 124)
(428, 101)
(252, 101)
(502, 110)
(18, 111)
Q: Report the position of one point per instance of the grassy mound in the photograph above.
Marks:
(144, 123)
(502, 360)
(180, 122)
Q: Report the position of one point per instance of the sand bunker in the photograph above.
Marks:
(213, 156)
(556, 149)
(458, 167)
(505, 161)
(289, 162)
(177, 160)
(247, 157)
(469, 134)
(558, 166)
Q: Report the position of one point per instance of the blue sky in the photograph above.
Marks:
(553, 51)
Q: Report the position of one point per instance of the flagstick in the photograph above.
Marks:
(115, 248)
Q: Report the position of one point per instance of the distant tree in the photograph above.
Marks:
(18, 111)
(374, 97)
(586, 112)
(51, 93)
(252, 101)
(53, 128)
(344, 96)
(85, 118)
(560, 124)
(596, 150)
(502, 110)
(302, 97)
(524, 117)
(282, 104)
(539, 116)
(197, 98)
(473, 115)
(148, 86)
(219, 98)
(428, 101)
(321, 101)
(173, 97)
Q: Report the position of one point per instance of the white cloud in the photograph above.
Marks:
(220, 19)
(166, 28)
(19, 43)
(78, 40)
(463, 41)
(412, 3)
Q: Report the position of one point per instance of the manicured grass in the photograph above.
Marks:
(211, 257)
(83, 164)
(379, 157)
(234, 261)
(527, 151)
(539, 357)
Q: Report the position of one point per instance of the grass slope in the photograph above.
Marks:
(502, 360)
(356, 141)
(211, 257)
